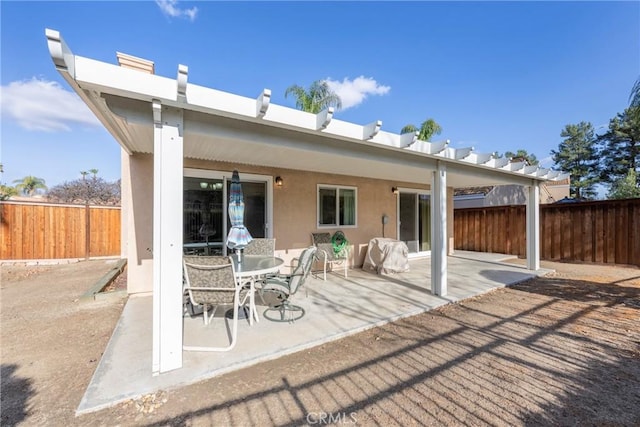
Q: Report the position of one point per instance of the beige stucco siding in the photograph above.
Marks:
(137, 214)
(294, 211)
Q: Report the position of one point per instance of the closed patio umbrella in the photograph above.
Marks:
(239, 236)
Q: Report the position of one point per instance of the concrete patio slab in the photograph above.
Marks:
(336, 308)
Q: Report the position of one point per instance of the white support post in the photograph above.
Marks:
(439, 230)
(533, 227)
(167, 238)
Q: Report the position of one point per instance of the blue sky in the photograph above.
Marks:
(497, 76)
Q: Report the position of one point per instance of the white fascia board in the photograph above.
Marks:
(469, 196)
(478, 158)
(108, 78)
(122, 81)
(502, 176)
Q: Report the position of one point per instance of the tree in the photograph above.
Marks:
(578, 155)
(520, 156)
(94, 190)
(94, 172)
(621, 145)
(428, 128)
(29, 185)
(625, 188)
(318, 97)
(6, 191)
(634, 98)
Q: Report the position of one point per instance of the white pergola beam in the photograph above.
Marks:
(462, 153)
(533, 226)
(439, 230)
(406, 139)
(430, 147)
(371, 130)
(323, 118)
(262, 103)
(167, 238)
(514, 166)
(478, 158)
(61, 55)
(183, 74)
(542, 172)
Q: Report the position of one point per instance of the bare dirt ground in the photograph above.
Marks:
(558, 350)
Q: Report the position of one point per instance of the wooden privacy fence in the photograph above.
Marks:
(52, 231)
(601, 232)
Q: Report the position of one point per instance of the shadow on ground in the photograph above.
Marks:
(549, 351)
(15, 393)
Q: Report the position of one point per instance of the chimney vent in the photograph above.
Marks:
(135, 63)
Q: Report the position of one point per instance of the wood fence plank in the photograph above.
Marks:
(599, 233)
(603, 231)
(577, 249)
(38, 230)
(634, 224)
(49, 231)
(610, 237)
(49, 227)
(6, 212)
(587, 235)
(521, 216)
(621, 240)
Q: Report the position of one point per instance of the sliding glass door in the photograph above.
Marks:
(206, 221)
(414, 220)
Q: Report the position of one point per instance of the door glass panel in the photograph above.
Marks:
(255, 208)
(203, 213)
(408, 221)
(424, 222)
(415, 221)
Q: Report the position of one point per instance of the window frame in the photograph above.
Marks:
(336, 189)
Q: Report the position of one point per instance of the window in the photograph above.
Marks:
(336, 206)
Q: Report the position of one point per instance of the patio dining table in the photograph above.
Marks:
(250, 268)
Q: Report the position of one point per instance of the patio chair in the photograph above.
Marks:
(261, 247)
(210, 282)
(285, 287)
(327, 252)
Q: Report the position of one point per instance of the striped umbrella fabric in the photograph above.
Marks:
(239, 236)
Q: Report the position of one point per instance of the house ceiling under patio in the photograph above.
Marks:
(226, 127)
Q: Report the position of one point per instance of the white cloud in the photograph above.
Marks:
(546, 162)
(353, 92)
(170, 8)
(45, 106)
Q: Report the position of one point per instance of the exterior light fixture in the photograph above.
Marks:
(279, 181)
(395, 190)
(204, 185)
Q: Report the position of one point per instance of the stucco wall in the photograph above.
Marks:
(137, 211)
(506, 195)
(294, 211)
(294, 206)
(554, 193)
